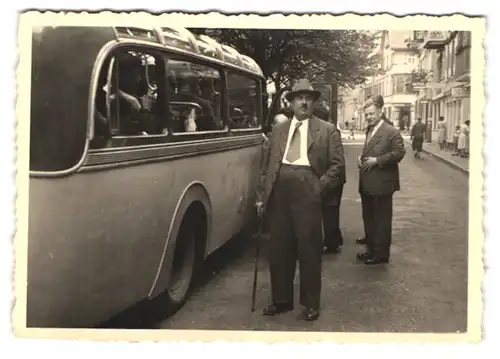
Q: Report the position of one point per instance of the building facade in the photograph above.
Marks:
(423, 74)
(443, 83)
(397, 53)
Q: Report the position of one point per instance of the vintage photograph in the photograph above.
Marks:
(270, 176)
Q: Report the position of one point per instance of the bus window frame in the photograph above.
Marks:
(151, 51)
(165, 52)
(258, 96)
(224, 106)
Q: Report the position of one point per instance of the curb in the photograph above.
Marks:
(442, 159)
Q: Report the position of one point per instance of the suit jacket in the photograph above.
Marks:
(418, 130)
(325, 153)
(388, 147)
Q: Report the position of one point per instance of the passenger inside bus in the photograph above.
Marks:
(188, 91)
(133, 98)
(126, 89)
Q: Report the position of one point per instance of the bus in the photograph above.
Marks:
(145, 148)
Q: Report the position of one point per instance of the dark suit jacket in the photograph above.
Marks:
(418, 130)
(325, 153)
(388, 147)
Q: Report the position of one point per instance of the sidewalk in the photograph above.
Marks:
(445, 156)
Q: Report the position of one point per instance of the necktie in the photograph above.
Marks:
(369, 131)
(294, 149)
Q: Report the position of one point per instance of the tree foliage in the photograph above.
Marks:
(340, 56)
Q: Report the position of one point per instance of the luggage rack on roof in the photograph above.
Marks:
(182, 39)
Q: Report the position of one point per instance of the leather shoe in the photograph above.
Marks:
(362, 256)
(372, 261)
(334, 250)
(309, 314)
(275, 309)
(361, 240)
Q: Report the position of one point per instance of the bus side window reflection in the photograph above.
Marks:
(195, 97)
(243, 100)
(133, 97)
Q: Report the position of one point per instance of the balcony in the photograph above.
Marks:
(435, 39)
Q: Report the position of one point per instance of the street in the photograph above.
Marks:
(423, 289)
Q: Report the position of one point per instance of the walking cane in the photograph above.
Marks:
(257, 238)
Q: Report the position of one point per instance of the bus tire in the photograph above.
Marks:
(187, 258)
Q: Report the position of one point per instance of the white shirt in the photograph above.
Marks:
(303, 129)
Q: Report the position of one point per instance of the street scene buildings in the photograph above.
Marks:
(422, 74)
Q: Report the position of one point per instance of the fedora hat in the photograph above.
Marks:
(303, 86)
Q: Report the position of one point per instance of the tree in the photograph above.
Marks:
(340, 56)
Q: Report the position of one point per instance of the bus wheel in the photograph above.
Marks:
(183, 266)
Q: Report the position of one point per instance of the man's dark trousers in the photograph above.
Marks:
(295, 215)
(331, 219)
(377, 218)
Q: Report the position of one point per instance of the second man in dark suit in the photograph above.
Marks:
(333, 240)
(306, 161)
(378, 180)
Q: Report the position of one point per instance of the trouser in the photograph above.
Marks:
(377, 219)
(331, 222)
(417, 144)
(295, 226)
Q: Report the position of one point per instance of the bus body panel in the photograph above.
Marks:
(96, 239)
(62, 65)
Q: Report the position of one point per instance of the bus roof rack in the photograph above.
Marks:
(180, 38)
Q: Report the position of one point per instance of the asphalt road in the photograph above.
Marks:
(423, 289)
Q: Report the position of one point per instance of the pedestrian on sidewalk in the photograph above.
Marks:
(441, 125)
(351, 129)
(378, 180)
(456, 134)
(417, 137)
(306, 162)
(463, 140)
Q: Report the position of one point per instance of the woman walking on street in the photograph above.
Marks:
(463, 140)
(441, 133)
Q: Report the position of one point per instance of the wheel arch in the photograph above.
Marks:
(194, 197)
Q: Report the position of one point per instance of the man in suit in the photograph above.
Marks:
(378, 180)
(417, 135)
(333, 240)
(306, 162)
(379, 101)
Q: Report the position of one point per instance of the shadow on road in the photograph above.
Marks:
(149, 314)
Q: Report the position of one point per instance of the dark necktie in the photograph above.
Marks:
(294, 148)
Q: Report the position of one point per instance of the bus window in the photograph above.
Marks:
(195, 97)
(244, 101)
(129, 98)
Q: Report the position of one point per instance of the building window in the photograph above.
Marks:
(368, 92)
(463, 41)
(439, 66)
(195, 96)
(452, 56)
(244, 106)
(419, 35)
(400, 84)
